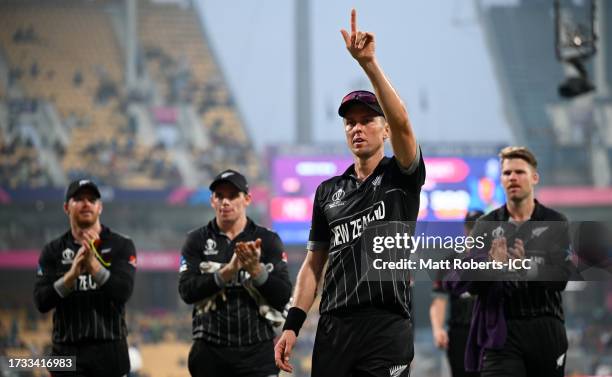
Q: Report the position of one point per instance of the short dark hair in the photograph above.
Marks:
(518, 152)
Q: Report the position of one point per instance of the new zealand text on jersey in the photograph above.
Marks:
(353, 226)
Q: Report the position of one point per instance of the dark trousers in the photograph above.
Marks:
(535, 347)
(457, 339)
(93, 359)
(360, 346)
(209, 360)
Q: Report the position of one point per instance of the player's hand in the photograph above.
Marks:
(229, 271)
(234, 263)
(440, 338)
(282, 350)
(499, 250)
(232, 267)
(76, 268)
(90, 238)
(249, 254)
(518, 251)
(359, 43)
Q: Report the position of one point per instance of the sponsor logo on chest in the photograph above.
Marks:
(352, 228)
(86, 283)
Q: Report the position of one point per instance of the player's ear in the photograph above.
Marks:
(536, 178)
(101, 208)
(387, 131)
(247, 199)
(66, 208)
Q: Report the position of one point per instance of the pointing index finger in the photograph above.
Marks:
(353, 20)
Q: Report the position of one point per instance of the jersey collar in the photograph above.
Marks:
(350, 171)
(103, 233)
(213, 227)
(536, 215)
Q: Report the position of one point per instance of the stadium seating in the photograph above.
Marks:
(180, 60)
(168, 359)
(68, 54)
(67, 41)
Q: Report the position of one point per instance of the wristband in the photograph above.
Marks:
(295, 320)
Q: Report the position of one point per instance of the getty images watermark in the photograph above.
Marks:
(544, 251)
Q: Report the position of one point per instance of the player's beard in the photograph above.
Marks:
(84, 223)
(521, 196)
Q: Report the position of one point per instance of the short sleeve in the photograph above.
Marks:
(319, 228)
(412, 177)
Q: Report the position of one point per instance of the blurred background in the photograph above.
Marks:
(152, 98)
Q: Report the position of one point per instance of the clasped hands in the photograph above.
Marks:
(247, 255)
(85, 260)
(500, 252)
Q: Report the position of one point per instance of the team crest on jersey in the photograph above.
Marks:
(211, 247)
(376, 182)
(397, 370)
(67, 256)
(561, 361)
(537, 232)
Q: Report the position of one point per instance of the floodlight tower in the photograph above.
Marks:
(575, 44)
(131, 43)
(303, 72)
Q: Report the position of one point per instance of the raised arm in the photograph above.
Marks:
(361, 46)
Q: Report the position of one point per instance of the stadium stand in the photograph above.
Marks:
(19, 163)
(180, 60)
(163, 339)
(70, 55)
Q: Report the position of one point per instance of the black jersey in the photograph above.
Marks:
(232, 317)
(92, 310)
(547, 243)
(343, 208)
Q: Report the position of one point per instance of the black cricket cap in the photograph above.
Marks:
(77, 185)
(232, 177)
(363, 97)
